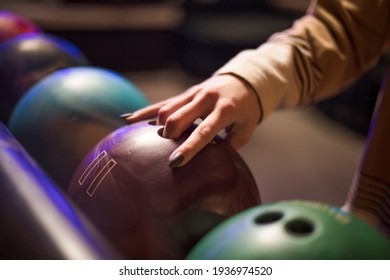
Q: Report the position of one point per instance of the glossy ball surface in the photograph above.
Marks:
(12, 24)
(151, 211)
(66, 114)
(28, 58)
(37, 220)
(293, 230)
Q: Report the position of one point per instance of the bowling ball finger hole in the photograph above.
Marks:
(160, 132)
(268, 218)
(300, 227)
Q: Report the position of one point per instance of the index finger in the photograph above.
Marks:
(150, 111)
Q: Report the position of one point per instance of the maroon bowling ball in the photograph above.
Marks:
(150, 211)
(12, 25)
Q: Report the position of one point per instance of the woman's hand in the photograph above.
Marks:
(222, 102)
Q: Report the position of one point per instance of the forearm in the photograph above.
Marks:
(322, 53)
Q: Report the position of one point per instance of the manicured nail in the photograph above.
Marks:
(125, 115)
(175, 160)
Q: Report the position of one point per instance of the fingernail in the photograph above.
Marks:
(125, 115)
(175, 160)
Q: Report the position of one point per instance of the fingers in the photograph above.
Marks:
(239, 135)
(142, 114)
(180, 119)
(202, 136)
(162, 110)
(198, 139)
(223, 102)
(174, 109)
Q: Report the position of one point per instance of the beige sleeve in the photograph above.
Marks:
(322, 53)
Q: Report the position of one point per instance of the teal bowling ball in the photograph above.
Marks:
(288, 230)
(28, 58)
(67, 113)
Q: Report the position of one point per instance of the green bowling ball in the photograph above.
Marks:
(290, 230)
(67, 113)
